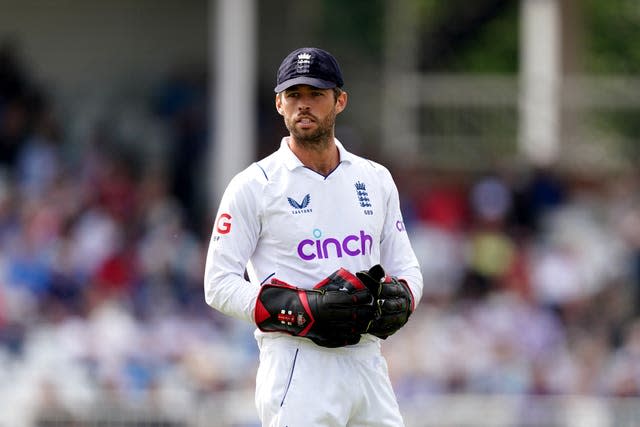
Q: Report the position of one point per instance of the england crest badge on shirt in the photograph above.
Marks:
(363, 198)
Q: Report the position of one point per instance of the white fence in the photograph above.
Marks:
(471, 121)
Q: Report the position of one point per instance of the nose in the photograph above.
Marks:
(304, 105)
(304, 101)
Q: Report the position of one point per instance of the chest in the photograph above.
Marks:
(340, 215)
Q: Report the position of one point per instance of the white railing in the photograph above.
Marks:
(472, 120)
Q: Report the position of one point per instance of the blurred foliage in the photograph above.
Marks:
(494, 48)
(476, 37)
(358, 23)
(611, 34)
(483, 36)
(456, 35)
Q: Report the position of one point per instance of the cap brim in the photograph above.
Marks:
(319, 83)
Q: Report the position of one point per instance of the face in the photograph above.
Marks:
(310, 113)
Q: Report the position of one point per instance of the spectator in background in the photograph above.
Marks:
(438, 216)
(39, 161)
(535, 195)
(491, 251)
(627, 220)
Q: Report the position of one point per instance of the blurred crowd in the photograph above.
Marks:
(532, 277)
(102, 260)
(532, 285)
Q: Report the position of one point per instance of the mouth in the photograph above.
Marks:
(305, 120)
(305, 123)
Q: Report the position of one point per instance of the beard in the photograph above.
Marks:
(315, 138)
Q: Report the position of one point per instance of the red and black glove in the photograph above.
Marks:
(394, 300)
(336, 312)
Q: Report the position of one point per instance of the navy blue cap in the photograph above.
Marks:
(309, 66)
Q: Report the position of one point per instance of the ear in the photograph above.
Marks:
(279, 107)
(341, 102)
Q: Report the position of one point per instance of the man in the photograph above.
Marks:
(301, 222)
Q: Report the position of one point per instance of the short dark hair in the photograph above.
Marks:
(336, 92)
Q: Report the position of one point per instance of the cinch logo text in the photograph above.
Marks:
(351, 245)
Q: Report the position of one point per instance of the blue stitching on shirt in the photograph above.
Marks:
(327, 175)
(267, 278)
(263, 171)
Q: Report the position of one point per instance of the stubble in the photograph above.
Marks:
(317, 139)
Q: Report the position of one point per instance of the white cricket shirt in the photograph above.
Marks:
(278, 218)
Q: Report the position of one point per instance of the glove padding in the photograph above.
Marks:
(394, 301)
(335, 313)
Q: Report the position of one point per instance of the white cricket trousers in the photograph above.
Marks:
(300, 384)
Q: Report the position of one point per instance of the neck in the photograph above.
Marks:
(322, 157)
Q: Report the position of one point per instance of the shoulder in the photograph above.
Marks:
(269, 167)
(371, 167)
(256, 174)
(256, 177)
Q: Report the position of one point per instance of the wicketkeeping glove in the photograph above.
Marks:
(336, 312)
(394, 301)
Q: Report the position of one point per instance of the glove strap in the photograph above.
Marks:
(344, 278)
(285, 308)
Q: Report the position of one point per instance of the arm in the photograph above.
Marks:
(396, 253)
(235, 234)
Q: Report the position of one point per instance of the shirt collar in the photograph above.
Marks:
(292, 162)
